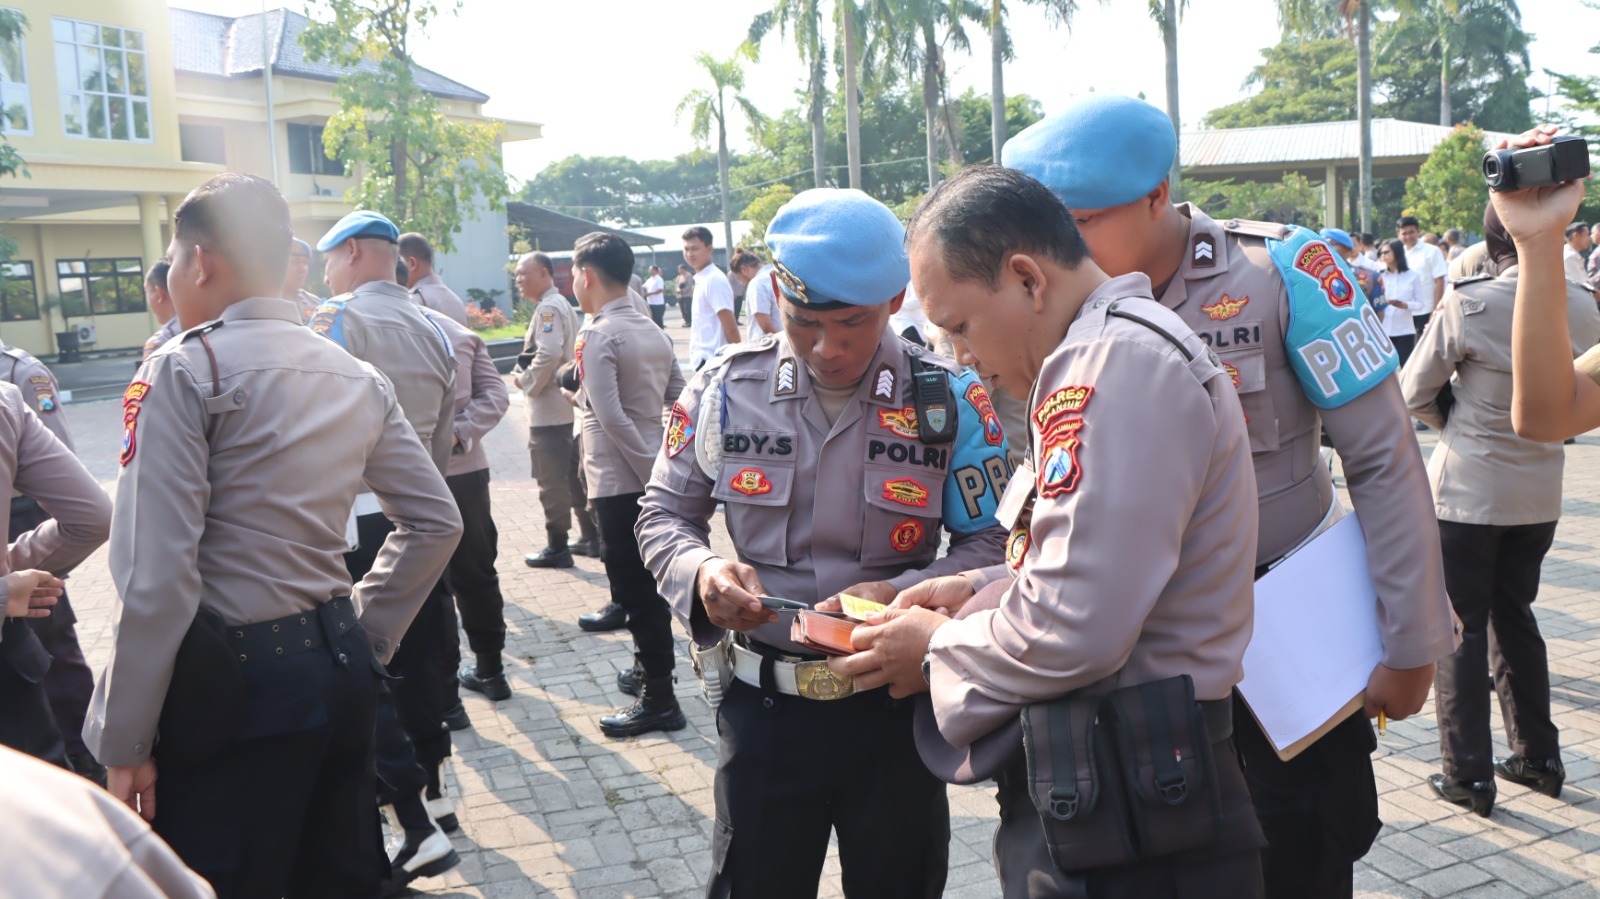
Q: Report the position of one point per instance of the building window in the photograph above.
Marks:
(202, 143)
(105, 94)
(19, 295)
(306, 153)
(105, 286)
(16, 105)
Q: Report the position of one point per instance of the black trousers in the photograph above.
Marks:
(793, 769)
(26, 722)
(286, 809)
(1230, 867)
(1319, 809)
(1403, 344)
(70, 682)
(686, 306)
(658, 314)
(471, 577)
(1492, 575)
(556, 461)
(419, 702)
(632, 585)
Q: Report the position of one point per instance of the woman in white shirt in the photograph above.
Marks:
(1402, 291)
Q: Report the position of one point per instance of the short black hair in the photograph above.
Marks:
(244, 219)
(988, 212)
(1575, 227)
(1408, 221)
(1368, 238)
(700, 233)
(606, 252)
(158, 273)
(1397, 249)
(543, 262)
(402, 272)
(415, 246)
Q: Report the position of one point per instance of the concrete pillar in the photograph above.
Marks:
(48, 278)
(1331, 197)
(150, 238)
(172, 207)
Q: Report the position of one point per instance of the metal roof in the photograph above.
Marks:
(207, 44)
(552, 231)
(1314, 142)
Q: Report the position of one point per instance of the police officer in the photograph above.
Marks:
(294, 282)
(1305, 351)
(841, 451)
(1498, 497)
(237, 641)
(1133, 526)
(424, 283)
(160, 302)
(630, 378)
(551, 339)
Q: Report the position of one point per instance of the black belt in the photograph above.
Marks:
(776, 654)
(292, 634)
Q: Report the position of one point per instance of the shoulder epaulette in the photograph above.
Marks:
(1473, 279)
(1115, 311)
(1250, 228)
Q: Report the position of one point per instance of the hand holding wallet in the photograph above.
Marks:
(823, 633)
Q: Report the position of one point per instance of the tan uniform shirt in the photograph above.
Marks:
(67, 837)
(630, 379)
(433, 294)
(378, 322)
(1472, 262)
(1482, 472)
(1232, 295)
(38, 465)
(163, 334)
(239, 471)
(480, 395)
(552, 335)
(308, 302)
(1133, 527)
(815, 506)
(39, 388)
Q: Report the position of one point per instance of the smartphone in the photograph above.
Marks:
(782, 605)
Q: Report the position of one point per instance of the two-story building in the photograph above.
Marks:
(119, 109)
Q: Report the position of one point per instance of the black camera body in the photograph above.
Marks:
(1565, 158)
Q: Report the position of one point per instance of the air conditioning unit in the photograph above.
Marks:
(86, 335)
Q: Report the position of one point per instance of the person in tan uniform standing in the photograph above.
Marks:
(1306, 353)
(160, 303)
(425, 284)
(1498, 497)
(552, 337)
(630, 379)
(240, 667)
(294, 283)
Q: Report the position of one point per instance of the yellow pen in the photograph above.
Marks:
(1383, 723)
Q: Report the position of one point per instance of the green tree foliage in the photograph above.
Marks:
(1299, 81)
(628, 192)
(763, 209)
(708, 107)
(1294, 200)
(415, 165)
(12, 26)
(1476, 47)
(1448, 192)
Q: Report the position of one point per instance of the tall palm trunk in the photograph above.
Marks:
(819, 166)
(1169, 38)
(1444, 84)
(852, 103)
(997, 74)
(1364, 106)
(722, 178)
(930, 99)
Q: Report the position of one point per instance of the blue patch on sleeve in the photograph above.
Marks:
(328, 321)
(1335, 342)
(979, 468)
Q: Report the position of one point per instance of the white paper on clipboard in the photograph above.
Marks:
(1316, 636)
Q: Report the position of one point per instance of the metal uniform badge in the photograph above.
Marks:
(792, 284)
(1017, 546)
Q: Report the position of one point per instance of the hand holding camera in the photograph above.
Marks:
(1536, 182)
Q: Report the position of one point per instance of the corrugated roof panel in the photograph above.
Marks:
(1313, 142)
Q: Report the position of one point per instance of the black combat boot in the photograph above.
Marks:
(1477, 795)
(555, 555)
(1544, 775)
(656, 709)
(486, 676)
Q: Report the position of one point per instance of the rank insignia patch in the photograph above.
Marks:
(1017, 546)
(906, 535)
(979, 398)
(751, 482)
(1316, 260)
(901, 422)
(906, 492)
(1205, 252)
(680, 430)
(787, 380)
(883, 383)
(131, 399)
(1225, 308)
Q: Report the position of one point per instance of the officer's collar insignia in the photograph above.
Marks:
(788, 379)
(792, 285)
(883, 383)
(1205, 252)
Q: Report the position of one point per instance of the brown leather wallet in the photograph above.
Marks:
(824, 633)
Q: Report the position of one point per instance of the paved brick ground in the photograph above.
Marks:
(550, 807)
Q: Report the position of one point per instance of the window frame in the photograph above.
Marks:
(68, 37)
(25, 85)
(7, 280)
(314, 164)
(115, 272)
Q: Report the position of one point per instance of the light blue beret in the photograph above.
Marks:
(834, 248)
(361, 223)
(1338, 236)
(1101, 152)
(299, 247)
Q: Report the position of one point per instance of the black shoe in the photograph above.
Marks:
(587, 547)
(86, 767)
(628, 681)
(1477, 795)
(1544, 775)
(441, 808)
(456, 718)
(549, 557)
(495, 686)
(610, 618)
(423, 851)
(656, 709)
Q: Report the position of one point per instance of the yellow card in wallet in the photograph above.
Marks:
(858, 608)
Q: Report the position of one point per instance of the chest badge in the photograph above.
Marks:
(751, 482)
(1017, 546)
(1225, 308)
(906, 492)
(900, 422)
(906, 535)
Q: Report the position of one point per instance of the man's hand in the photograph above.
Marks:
(135, 786)
(891, 646)
(31, 593)
(728, 590)
(1398, 693)
(881, 592)
(1540, 214)
(945, 594)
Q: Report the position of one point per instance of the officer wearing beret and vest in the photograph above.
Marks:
(842, 453)
(1305, 351)
(236, 710)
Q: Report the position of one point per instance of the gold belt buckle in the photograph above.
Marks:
(815, 680)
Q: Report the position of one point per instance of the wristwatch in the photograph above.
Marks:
(927, 668)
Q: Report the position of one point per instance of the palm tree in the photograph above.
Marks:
(847, 18)
(1446, 28)
(803, 19)
(1057, 12)
(1346, 18)
(1166, 13)
(707, 106)
(909, 32)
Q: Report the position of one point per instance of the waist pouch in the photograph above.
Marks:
(1125, 775)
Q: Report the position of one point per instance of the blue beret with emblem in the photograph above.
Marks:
(833, 248)
(361, 223)
(1339, 236)
(1102, 151)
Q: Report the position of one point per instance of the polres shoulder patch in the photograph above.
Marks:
(328, 321)
(131, 398)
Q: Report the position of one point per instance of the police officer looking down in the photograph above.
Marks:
(1305, 353)
(160, 303)
(841, 452)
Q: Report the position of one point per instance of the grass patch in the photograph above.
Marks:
(504, 331)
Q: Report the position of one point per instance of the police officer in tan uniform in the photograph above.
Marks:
(1305, 352)
(294, 282)
(630, 379)
(160, 302)
(236, 709)
(552, 337)
(838, 474)
(425, 284)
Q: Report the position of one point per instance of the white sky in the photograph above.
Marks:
(604, 77)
